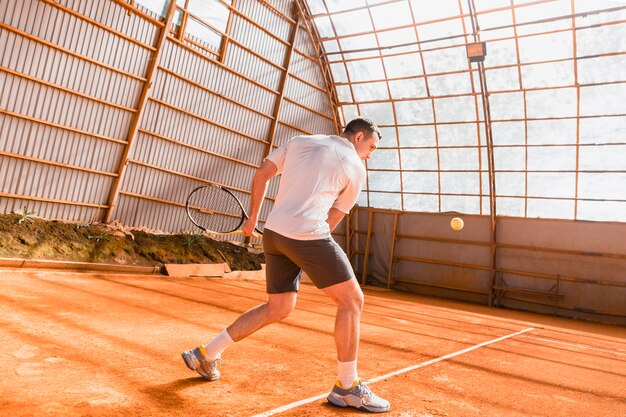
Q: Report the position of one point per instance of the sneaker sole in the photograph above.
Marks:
(340, 402)
(188, 356)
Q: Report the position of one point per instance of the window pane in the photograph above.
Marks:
(420, 182)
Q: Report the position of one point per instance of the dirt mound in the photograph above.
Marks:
(25, 236)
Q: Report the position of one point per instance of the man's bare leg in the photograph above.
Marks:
(349, 299)
(277, 308)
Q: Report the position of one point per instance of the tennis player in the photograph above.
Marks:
(322, 177)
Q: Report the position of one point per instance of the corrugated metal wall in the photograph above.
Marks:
(72, 74)
(573, 269)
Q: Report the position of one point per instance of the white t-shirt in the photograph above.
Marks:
(318, 172)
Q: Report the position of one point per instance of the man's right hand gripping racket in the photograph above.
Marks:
(216, 210)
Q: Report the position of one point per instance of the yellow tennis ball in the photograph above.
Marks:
(456, 223)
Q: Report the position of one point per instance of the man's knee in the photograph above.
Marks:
(280, 308)
(352, 300)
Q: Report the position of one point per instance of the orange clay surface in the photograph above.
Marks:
(86, 344)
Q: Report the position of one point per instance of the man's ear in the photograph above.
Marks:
(358, 136)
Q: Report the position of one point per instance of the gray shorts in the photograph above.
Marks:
(322, 260)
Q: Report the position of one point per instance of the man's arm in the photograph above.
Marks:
(334, 217)
(262, 176)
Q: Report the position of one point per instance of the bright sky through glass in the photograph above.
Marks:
(557, 95)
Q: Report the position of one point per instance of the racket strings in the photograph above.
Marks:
(215, 209)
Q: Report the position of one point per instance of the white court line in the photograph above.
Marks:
(585, 347)
(389, 375)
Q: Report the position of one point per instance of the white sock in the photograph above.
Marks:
(219, 344)
(347, 373)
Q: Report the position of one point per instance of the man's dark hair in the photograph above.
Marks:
(362, 124)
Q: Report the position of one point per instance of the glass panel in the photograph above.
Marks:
(339, 73)
(424, 203)
(380, 113)
(551, 103)
(600, 40)
(551, 131)
(383, 181)
(414, 88)
(501, 53)
(350, 112)
(546, 47)
(602, 211)
(341, 5)
(389, 137)
(365, 70)
(450, 84)
(417, 135)
(343, 93)
(414, 111)
(457, 135)
(397, 37)
(359, 42)
(455, 109)
(549, 184)
(460, 183)
(445, 60)
(198, 31)
(403, 65)
(550, 209)
(603, 100)
(391, 15)
(324, 26)
(462, 204)
(508, 159)
(602, 69)
(385, 200)
(543, 11)
(609, 186)
(511, 183)
(552, 158)
(316, 6)
(603, 130)
(553, 74)
(384, 158)
(506, 106)
(157, 6)
(210, 11)
(603, 158)
(458, 159)
(506, 206)
(447, 29)
(370, 91)
(502, 79)
(345, 22)
(420, 182)
(419, 159)
(424, 12)
(508, 133)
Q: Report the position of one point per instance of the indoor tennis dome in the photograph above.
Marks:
(507, 114)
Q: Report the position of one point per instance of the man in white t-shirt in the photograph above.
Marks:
(322, 177)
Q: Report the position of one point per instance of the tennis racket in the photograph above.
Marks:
(216, 210)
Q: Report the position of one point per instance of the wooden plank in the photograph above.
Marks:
(197, 270)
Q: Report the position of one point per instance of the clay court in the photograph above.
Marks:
(94, 344)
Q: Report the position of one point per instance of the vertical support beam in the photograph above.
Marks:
(393, 250)
(227, 33)
(492, 175)
(577, 84)
(183, 22)
(282, 84)
(134, 126)
(368, 243)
